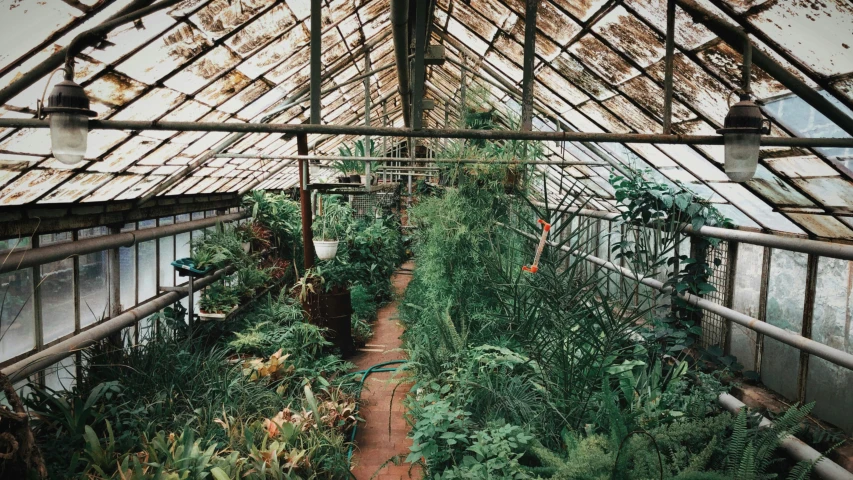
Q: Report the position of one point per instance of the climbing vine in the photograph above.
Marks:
(655, 217)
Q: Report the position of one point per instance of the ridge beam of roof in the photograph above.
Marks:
(400, 30)
(736, 37)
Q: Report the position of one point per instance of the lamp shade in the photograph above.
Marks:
(68, 108)
(741, 132)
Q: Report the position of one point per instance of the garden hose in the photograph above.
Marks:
(364, 374)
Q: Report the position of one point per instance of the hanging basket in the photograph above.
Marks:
(326, 250)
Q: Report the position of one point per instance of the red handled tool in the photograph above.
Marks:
(546, 227)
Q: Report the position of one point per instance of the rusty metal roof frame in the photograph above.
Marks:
(598, 67)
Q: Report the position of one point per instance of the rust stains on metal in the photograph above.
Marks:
(726, 62)
(603, 60)
(628, 34)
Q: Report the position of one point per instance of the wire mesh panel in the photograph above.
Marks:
(713, 325)
(383, 199)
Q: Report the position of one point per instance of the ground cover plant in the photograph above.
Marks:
(572, 372)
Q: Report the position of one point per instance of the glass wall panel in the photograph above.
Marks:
(56, 292)
(94, 281)
(785, 297)
(745, 299)
(147, 265)
(182, 245)
(830, 385)
(61, 376)
(17, 319)
(167, 256)
(127, 269)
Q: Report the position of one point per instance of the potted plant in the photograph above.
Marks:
(217, 301)
(327, 304)
(328, 228)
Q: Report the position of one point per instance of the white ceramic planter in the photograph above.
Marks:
(326, 250)
(247, 247)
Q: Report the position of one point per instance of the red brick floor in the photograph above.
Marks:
(375, 446)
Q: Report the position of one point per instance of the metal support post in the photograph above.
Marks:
(529, 59)
(305, 204)
(367, 149)
(316, 45)
(114, 265)
(190, 306)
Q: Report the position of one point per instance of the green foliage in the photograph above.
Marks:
(494, 454)
(333, 223)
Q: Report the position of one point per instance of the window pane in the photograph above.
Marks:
(94, 281)
(828, 383)
(785, 296)
(127, 269)
(56, 292)
(167, 255)
(146, 253)
(61, 376)
(17, 320)
(745, 299)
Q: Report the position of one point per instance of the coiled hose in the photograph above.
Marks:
(364, 374)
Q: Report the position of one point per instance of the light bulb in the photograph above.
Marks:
(741, 155)
(68, 136)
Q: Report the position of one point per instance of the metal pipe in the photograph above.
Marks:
(316, 45)
(400, 34)
(66, 348)
(278, 168)
(403, 160)
(56, 60)
(181, 174)
(796, 448)
(746, 73)
(40, 256)
(818, 349)
(357, 130)
(803, 245)
(670, 52)
(736, 37)
(528, 80)
(305, 204)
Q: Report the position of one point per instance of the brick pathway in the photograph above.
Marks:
(374, 445)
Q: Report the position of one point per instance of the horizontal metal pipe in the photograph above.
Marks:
(406, 160)
(804, 344)
(431, 133)
(40, 256)
(803, 245)
(796, 448)
(51, 355)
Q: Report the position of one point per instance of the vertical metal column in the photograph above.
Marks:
(114, 265)
(367, 149)
(670, 51)
(808, 317)
(190, 306)
(419, 71)
(305, 203)
(529, 59)
(39, 321)
(316, 45)
(762, 305)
